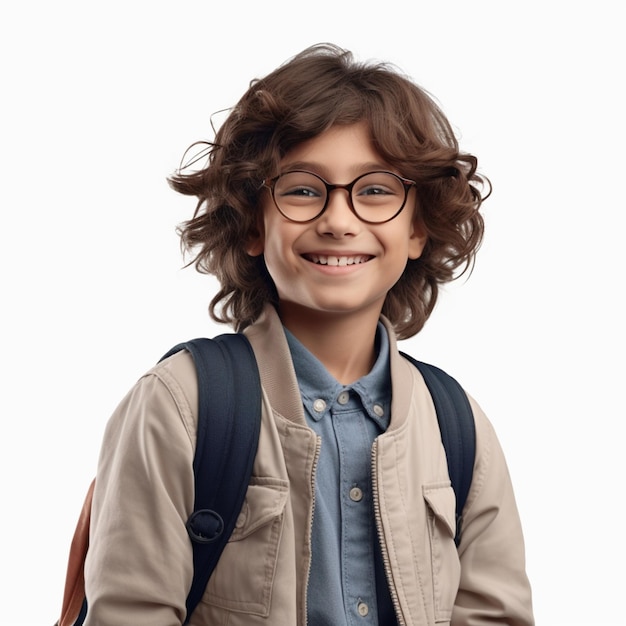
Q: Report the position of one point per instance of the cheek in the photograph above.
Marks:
(276, 247)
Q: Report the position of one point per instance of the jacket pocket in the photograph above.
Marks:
(244, 576)
(446, 569)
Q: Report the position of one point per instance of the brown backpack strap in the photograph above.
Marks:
(74, 593)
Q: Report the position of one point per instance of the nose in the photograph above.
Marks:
(338, 220)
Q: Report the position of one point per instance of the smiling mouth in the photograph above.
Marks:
(338, 261)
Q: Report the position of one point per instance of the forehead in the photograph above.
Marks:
(338, 151)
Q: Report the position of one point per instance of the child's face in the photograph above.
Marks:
(293, 250)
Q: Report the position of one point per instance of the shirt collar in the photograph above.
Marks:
(316, 383)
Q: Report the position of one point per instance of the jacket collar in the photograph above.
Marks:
(278, 376)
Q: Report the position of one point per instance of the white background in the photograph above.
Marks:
(99, 101)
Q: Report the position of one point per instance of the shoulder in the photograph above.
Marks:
(177, 373)
(162, 399)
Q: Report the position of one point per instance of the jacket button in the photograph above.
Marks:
(363, 609)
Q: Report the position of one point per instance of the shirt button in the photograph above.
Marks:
(378, 410)
(356, 494)
(319, 405)
(363, 609)
(344, 396)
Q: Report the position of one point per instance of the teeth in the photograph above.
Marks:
(337, 260)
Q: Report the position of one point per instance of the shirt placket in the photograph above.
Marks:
(354, 436)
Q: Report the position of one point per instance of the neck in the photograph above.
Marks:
(345, 345)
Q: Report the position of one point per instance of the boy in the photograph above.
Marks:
(334, 203)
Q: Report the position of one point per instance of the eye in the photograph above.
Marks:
(375, 190)
(300, 191)
(378, 187)
(299, 187)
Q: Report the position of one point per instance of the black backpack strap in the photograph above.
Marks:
(458, 431)
(229, 421)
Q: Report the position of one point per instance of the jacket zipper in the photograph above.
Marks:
(381, 537)
(318, 445)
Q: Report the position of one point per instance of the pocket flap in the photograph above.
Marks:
(265, 500)
(442, 503)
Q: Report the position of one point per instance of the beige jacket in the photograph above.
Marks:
(139, 565)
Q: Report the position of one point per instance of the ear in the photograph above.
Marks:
(255, 244)
(417, 240)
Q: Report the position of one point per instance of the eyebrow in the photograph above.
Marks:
(325, 171)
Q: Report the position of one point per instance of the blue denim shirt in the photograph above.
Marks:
(347, 583)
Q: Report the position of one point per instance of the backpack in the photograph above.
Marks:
(227, 441)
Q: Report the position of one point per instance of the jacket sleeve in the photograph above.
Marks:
(139, 563)
(494, 588)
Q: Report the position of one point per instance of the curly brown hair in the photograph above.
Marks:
(318, 88)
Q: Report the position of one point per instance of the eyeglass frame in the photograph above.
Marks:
(406, 183)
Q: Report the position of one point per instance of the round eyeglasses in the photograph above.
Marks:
(374, 197)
